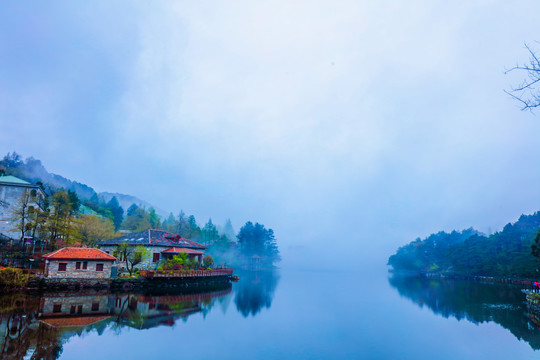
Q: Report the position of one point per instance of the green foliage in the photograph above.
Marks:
(139, 220)
(11, 278)
(209, 233)
(93, 228)
(504, 253)
(259, 241)
(131, 256)
(208, 261)
(176, 261)
(116, 211)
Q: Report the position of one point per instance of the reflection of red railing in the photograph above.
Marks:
(186, 273)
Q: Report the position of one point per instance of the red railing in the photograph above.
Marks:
(186, 273)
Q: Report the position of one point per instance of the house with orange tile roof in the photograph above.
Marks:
(78, 263)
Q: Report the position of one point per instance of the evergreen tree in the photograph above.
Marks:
(228, 230)
(139, 220)
(155, 222)
(116, 211)
(209, 233)
(256, 240)
(170, 224)
(194, 231)
(131, 210)
(182, 226)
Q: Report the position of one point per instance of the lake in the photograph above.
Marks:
(278, 315)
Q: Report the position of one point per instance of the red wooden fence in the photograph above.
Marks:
(186, 273)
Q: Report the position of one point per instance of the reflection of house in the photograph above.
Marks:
(55, 306)
(73, 311)
(12, 190)
(146, 311)
(85, 263)
(160, 244)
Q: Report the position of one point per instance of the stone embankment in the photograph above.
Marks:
(139, 284)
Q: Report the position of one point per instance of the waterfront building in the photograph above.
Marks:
(12, 190)
(160, 244)
(79, 263)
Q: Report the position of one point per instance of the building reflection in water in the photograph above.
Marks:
(36, 327)
(503, 304)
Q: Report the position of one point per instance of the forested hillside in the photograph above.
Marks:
(504, 253)
(33, 171)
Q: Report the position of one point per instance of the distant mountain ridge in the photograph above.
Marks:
(504, 253)
(32, 170)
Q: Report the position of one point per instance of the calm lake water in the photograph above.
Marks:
(304, 315)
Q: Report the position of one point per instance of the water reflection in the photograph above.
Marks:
(477, 303)
(37, 326)
(255, 291)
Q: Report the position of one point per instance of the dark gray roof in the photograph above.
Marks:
(152, 237)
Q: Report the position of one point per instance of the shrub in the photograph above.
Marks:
(208, 261)
(11, 278)
(160, 268)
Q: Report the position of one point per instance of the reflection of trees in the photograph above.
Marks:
(475, 302)
(255, 290)
(29, 326)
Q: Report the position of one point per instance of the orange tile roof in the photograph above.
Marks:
(177, 250)
(74, 253)
(74, 321)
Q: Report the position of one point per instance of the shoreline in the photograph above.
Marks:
(524, 282)
(195, 283)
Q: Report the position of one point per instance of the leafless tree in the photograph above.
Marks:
(527, 92)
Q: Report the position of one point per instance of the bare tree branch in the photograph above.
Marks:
(526, 92)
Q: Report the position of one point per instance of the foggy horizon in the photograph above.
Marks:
(348, 128)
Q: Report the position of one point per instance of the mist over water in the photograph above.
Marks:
(285, 314)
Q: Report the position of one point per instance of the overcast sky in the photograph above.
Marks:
(349, 127)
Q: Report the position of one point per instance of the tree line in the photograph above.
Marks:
(62, 217)
(510, 252)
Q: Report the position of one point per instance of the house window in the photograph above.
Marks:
(85, 265)
(72, 310)
(95, 306)
(155, 258)
(62, 266)
(99, 267)
(78, 265)
(57, 308)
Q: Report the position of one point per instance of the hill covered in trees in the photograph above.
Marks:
(504, 253)
(33, 171)
(72, 213)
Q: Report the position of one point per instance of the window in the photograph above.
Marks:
(62, 266)
(99, 267)
(79, 309)
(57, 308)
(72, 310)
(85, 265)
(78, 265)
(95, 306)
(155, 257)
